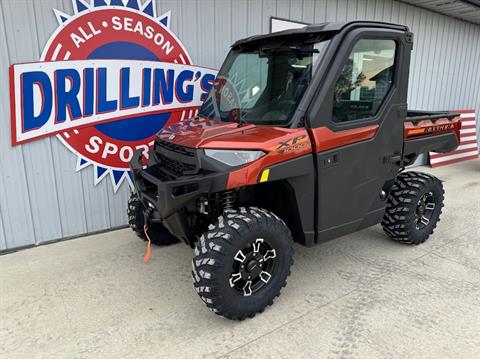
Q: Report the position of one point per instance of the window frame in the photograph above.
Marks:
(394, 78)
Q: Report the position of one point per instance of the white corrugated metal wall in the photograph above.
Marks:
(42, 198)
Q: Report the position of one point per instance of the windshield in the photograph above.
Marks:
(263, 84)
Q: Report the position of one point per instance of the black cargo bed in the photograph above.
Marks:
(415, 116)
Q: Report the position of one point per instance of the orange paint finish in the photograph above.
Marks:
(326, 139)
(293, 143)
(428, 127)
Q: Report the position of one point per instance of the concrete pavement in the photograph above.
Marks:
(360, 296)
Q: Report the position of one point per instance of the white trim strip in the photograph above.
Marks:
(468, 130)
(467, 115)
(468, 145)
(453, 157)
(467, 138)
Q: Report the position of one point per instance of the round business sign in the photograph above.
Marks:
(126, 77)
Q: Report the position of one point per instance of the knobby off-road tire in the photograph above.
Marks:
(413, 208)
(159, 235)
(251, 237)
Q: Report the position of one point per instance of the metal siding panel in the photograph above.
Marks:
(320, 13)
(283, 9)
(331, 11)
(296, 9)
(239, 19)
(387, 10)
(117, 203)
(97, 209)
(396, 16)
(462, 80)
(269, 9)
(449, 101)
(206, 29)
(414, 17)
(37, 155)
(254, 19)
(189, 28)
(362, 9)
(3, 243)
(308, 11)
(474, 88)
(16, 211)
(175, 19)
(379, 10)
(341, 10)
(370, 10)
(435, 74)
(223, 29)
(402, 14)
(426, 70)
(447, 57)
(352, 10)
(69, 191)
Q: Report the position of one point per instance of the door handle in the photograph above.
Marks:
(330, 160)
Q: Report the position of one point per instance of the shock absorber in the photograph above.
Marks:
(228, 200)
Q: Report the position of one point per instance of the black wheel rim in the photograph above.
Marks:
(424, 210)
(253, 267)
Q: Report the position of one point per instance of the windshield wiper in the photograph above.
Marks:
(241, 121)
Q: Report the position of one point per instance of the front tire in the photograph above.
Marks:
(242, 262)
(414, 207)
(159, 235)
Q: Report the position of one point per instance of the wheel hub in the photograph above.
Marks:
(424, 210)
(253, 267)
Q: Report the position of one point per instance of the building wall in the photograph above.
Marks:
(42, 198)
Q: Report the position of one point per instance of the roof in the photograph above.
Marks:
(319, 28)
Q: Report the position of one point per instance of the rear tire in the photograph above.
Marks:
(413, 208)
(242, 262)
(159, 235)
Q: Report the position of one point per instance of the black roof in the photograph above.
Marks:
(319, 28)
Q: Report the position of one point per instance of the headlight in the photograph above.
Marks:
(234, 157)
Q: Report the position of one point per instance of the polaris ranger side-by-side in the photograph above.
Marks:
(303, 137)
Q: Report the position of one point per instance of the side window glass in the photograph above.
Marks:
(365, 80)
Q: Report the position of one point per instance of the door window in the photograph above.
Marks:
(365, 80)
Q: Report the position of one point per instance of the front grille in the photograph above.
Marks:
(190, 152)
(175, 167)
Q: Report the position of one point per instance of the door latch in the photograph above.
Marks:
(395, 158)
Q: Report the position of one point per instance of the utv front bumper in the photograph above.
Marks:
(169, 196)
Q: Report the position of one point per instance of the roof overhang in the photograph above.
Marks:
(466, 10)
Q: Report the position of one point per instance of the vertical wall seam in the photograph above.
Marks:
(3, 184)
(2, 222)
(471, 61)
(57, 201)
(22, 148)
(84, 206)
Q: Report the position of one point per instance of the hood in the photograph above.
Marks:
(206, 133)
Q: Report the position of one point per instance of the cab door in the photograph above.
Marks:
(357, 130)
